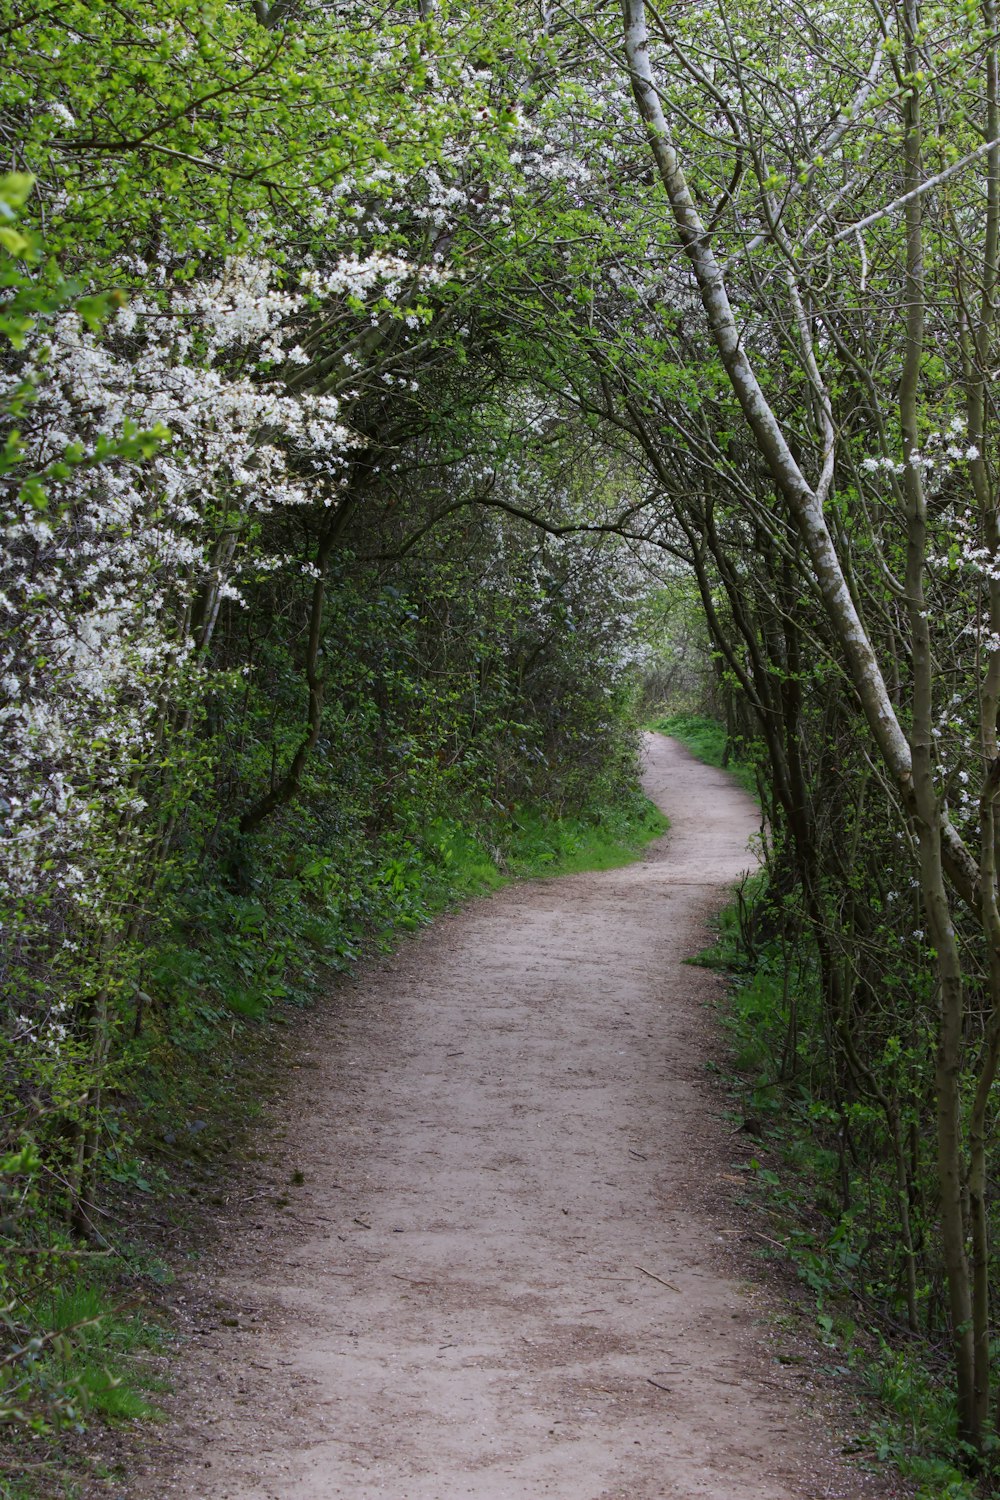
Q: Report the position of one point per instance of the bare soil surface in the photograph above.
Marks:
(508, 1271)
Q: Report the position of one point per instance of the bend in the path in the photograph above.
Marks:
(499, 1129)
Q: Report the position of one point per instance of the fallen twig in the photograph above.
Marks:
(654, 1277)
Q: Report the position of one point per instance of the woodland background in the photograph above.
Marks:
(400, 403)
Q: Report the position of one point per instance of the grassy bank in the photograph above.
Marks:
(602, 839)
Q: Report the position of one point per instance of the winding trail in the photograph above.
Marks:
(497, 1129)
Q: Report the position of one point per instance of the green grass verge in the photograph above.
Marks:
(460, 862)
(569, 846)
(81, 1358)
(707, 740)
(97, 1337)
(536, 845)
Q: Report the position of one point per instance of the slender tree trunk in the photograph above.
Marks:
(287, 788)
(979, 351)
(948, 1071)
(940, 845)
(803, 503)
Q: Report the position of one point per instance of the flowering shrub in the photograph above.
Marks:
(258, 637)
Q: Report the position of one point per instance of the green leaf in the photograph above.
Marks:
(14, 241)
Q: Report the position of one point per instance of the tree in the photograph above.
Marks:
(804, 325)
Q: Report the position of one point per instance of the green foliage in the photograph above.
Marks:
(601, 839)
(35, 291)
(919, 1430)
(678, 675)
(184, 128)
(97, 1340)
(71, 1329)
(705, 738)
(819, 1170)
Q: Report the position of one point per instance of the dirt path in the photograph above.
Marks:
(496, 1130)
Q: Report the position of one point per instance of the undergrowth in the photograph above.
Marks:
(816, 1203)
(602, 840)
(79, 1328)
(816, 1174)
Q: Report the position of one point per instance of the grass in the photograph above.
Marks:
(86, 1355)
(569, 846)
(708, 742)
(99, 1336)
(918, 1428)
(535, 845)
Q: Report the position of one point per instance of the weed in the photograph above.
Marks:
(96, 1336)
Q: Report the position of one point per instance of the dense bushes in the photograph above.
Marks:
(278, 673)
